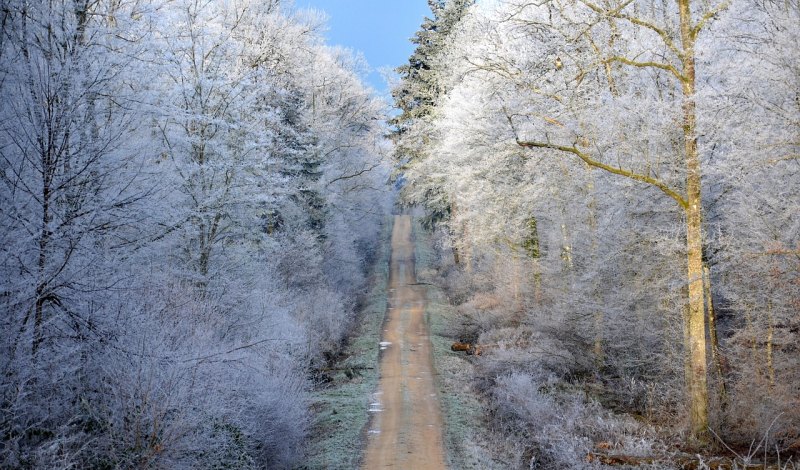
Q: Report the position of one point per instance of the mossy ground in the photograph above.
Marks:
(340, 407)
(462, 412)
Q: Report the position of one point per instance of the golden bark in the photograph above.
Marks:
(698, 386)
(691, 201)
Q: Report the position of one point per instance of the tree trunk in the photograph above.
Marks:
(456, 254)
(48, 170)
(712, 334)
(698, 385)
(592, 220)
(770, 339)
(716, 356)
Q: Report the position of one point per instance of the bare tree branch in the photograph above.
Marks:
(354, 175)
(668, 67)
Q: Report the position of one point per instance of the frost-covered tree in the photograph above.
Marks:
(191, 196)
(422, 82)
(66, 165)
(580, 135)
(70, 170)
(751, 135)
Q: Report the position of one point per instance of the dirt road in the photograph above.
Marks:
(405, 430)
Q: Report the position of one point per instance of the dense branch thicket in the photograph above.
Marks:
(617, 184)
(190, 194)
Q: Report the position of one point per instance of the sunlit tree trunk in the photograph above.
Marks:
(769, 346)
(698, 385)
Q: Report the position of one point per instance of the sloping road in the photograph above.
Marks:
(405, 430)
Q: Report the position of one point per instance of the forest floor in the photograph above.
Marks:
(466, 431)
(406, 426)
(340, 405)
(407, 300)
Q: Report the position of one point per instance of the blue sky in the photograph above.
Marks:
(381, 29)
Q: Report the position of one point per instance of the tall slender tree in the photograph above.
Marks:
(421, 84)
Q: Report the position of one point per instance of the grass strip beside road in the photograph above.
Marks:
(340, 408)
(462, 411)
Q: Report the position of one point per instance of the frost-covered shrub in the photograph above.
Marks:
(276, 419)
(548, 424)
(558, 428)
(327, 318)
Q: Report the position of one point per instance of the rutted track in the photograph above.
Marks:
(406, 428)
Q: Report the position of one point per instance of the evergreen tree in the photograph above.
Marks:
(415, 97)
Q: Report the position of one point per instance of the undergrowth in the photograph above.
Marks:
(340, 405)
(465, 428)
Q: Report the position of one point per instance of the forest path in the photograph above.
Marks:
(405, 431)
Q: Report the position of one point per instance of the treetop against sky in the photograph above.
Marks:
(378, 28)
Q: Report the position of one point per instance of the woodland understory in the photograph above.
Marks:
(613, 187)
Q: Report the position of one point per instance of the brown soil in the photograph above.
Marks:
(405, 431)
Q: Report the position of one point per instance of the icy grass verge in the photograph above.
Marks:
(340, 407)
(463, 414)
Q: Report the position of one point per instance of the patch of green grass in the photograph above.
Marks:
(462, 410)
(341, 407)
